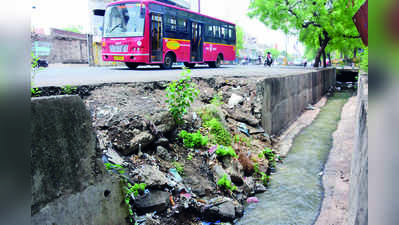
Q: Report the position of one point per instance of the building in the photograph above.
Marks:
(60, 46)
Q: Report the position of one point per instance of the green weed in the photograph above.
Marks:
(225, 151)
(220, 134)
(191, 140)
(217, 100)
(68, 89)
(226, 183)
(181, 94)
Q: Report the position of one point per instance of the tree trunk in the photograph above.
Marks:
(354, 53)
(329, 58)
(317, 59)
(324, 59)
(321, 50)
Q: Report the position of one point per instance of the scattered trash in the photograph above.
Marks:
(188, 196)
(243, 128)
(252, 200)
(234, 100)
(176, 175)
(310, 107)
(212, 149)
(171, 200)
(258, 130)
(321, 174)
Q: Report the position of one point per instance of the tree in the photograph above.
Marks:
(322, 24)
(240, 39)
(76, 29)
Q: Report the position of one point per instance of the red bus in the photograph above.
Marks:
(145, 32)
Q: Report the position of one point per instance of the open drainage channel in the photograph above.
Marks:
(295, 192)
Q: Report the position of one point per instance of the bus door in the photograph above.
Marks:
(197, 41)
(156, 37)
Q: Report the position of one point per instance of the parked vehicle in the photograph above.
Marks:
(140, 32)
(41, 63)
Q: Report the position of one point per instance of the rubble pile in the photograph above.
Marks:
(197, 185)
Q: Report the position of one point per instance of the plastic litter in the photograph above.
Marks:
(175, 175)
(242, 127)
(212, 149)
(252, 200)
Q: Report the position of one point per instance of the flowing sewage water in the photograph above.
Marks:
(295, 193)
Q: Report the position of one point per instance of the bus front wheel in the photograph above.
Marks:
(131, 66)
(168, 62)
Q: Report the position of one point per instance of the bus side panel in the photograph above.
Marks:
(179, 46)
(211, 51)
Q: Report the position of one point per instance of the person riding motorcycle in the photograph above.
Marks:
(268, 60)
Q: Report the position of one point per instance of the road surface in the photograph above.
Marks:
(61, 75)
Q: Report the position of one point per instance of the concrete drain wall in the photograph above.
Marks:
(69, 184)
(284, 98)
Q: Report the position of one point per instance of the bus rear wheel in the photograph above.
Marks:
(217, 63)
(189, 65)
(168, 62)
(131, 66)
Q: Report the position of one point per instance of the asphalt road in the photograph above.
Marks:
(61, 75)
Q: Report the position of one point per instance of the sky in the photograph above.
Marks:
(61, 14)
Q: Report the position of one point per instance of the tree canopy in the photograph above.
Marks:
(325, 25)
(240, 39)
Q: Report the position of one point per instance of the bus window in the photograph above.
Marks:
(171, 24)
(216, 31)
(209, 32)
(182, 25)
(223, 32)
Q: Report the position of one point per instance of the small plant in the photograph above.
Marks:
(256, 167)
(268, 153)
(217, 100)
(128, 188)
(220, 134)
(190, 156)
(265, 178)
(179, 168)
(68, 89)
(226, 183)
(191, 140)
(226, 151)
(135, 189)
(180, 95)
(115, 167)
(35, 92)
(35, 65)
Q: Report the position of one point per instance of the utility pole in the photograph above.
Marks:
(199, 6)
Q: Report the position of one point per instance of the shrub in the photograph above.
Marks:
(181, 94)
(191, 140)
(220, 134)
(226, 151)
(226, 183)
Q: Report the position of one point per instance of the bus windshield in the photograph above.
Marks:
(124, 20)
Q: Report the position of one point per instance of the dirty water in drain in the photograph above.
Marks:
(295, 193)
